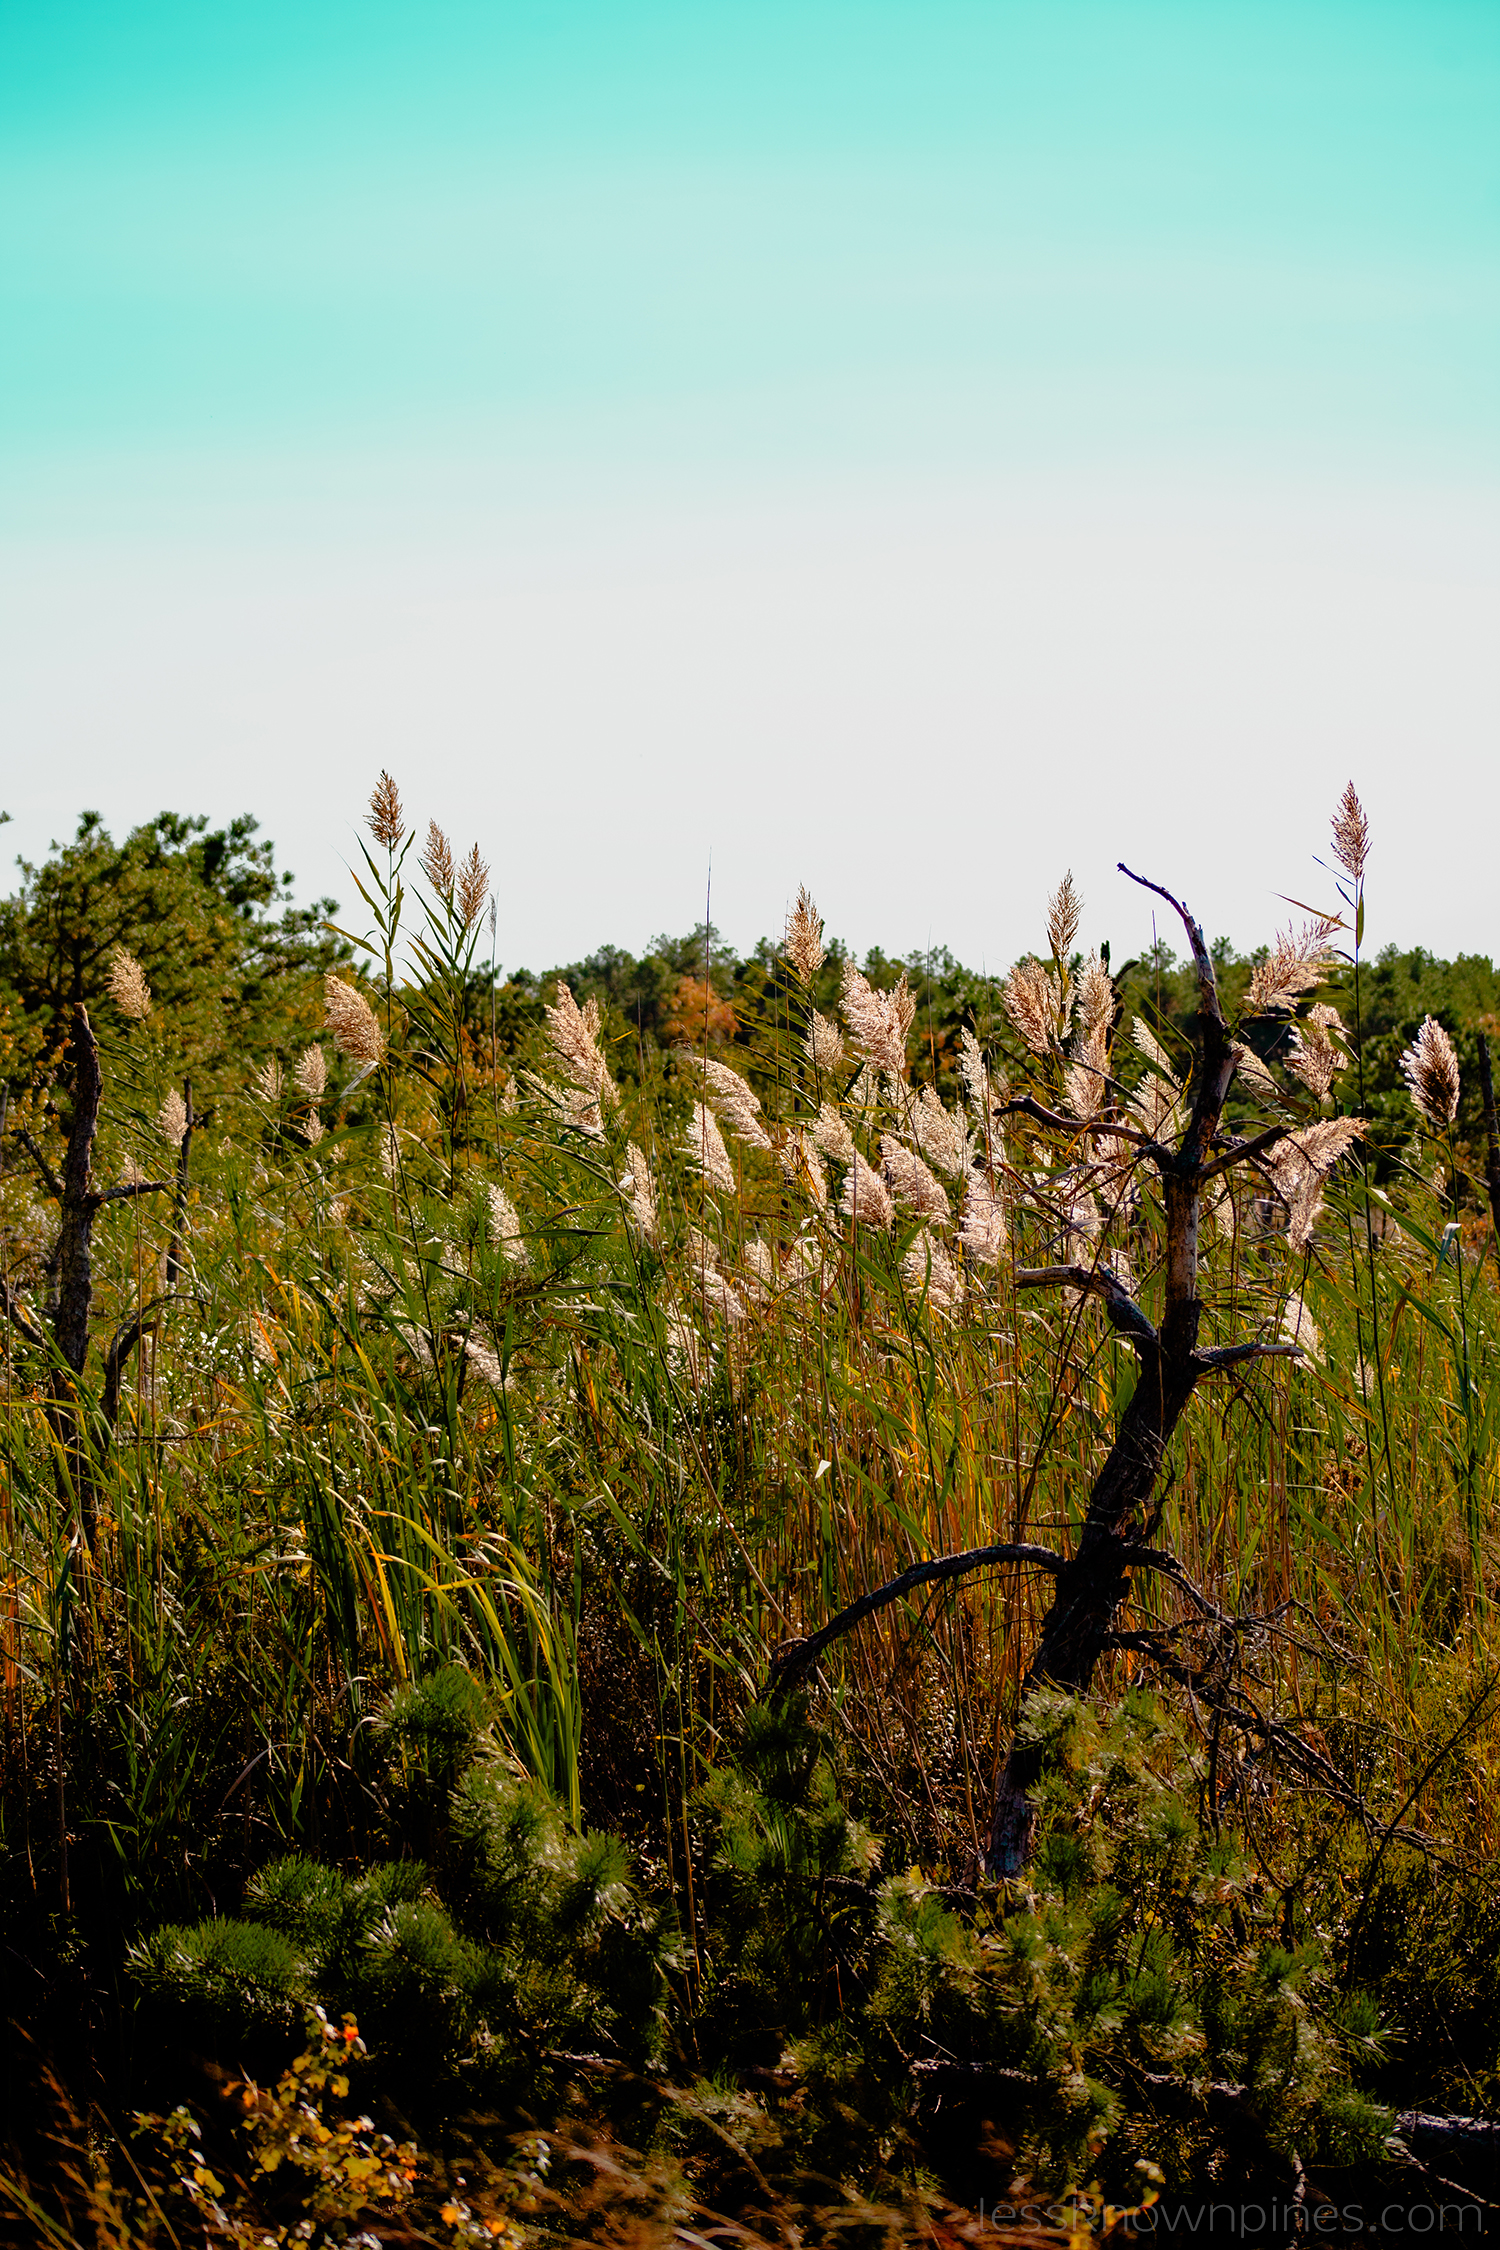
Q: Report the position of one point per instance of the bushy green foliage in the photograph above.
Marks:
(523, 1939)
(204, 911)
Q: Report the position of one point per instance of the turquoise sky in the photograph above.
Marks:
(308, 274)
(740, 232)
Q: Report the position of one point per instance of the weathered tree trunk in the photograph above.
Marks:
(71, 1296)
(1094, 1583)
(1491, 1135)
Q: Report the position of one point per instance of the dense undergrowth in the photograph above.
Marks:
(495, 1391)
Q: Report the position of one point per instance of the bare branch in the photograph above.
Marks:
(1208, 986)
(1026, 1105)
(134, 1187)
(1158, 1559)
(1120, 1307)
(53, 1183)
(1235, 1355)
(126, 1337)
(20, 1319)
(1245, 1152)
(791, 1662)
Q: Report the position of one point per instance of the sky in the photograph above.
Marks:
(908, 449)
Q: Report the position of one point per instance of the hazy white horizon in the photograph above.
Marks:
(906, 449)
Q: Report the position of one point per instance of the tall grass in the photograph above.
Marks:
(612, 1463)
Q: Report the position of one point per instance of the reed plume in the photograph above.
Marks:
(268, 1081)
(803, 943)
(910, 1181)
(353, 1022)
(761, 1266)
(1351, 835)
(311, 1128)
(573, 1036)
(801, 1166)
(865, 1198)
(940, 1136)
(311, 1073)
(733, 1100)
(473, 888)
(927, 1266)
(1430, 1068)
(831, 1134)
(705, 1148)
(1035, 1002)
(386, 820)
(1298, 960)
(1298, 1327)
(983, 1232)
(641, 1189)
(171, 1119)
(128, 987)
(1064, 913)
(437, 861)
(1253, 1074)
(504, 1227)
(1086, 1075)
(1300, 1164)
(485, 1363)
(1313, 1056)
(879, 1021)
(825, 1043)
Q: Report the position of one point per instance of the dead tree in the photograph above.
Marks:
(60, 1331)
(1092, 1585)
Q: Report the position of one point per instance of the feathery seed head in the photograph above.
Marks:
(1034, 1001)
(268, 1081)
(928, 1267)
(1064, 913)
(1313, 1056)
(1351, 835)
(573, 1036)
(1430, 1068)
(733, 1099)
(311, 1073)
(1298, 1327)
(437, 861)
(171, 1119)
(803, 944)
(832, 1135)
(1298, 960)
(983, 1230)
(641, 1188)
(706, 1150)
(910, 1181)
(865, 1198)
(825, 1043)
(1252, 1073)
(473, 888)
(940, 1136)
(879, 1021)
(504, 1226)
(387, 822)
(353, 1022)
(1096, 995)
(128, 987)
(484, 1362)
(802, 1167)
(311, 1128)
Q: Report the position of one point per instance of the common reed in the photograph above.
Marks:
(613, 1432)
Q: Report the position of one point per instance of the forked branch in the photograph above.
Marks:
(792, 1662)
(1120, 1307)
